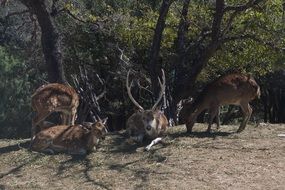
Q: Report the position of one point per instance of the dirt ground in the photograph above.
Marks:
(253, 159)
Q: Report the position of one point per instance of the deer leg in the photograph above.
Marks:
(37, 120)
(70, 117)
(192, 119)
(247, 110)
(64, 119)
(73, 116)
(213, 114)
(40, 145)
(189, 124)
(138, 138)
(153, 142)
(218, 118)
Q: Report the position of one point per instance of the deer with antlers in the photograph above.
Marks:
(150, 123)
(51, 98)
(231, 89)
(74, 139)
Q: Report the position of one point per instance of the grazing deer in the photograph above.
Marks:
(147, 123)
(74, 139)
(51, 98)
(232, 89)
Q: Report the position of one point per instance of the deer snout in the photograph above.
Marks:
(148, 127)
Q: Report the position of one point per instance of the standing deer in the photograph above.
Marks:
(51, 98)
(74, 139)
(150, 123)
(232, 89)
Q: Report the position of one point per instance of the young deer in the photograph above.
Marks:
(51, 98)
(150, 123)
(232, 89)
(74, 139)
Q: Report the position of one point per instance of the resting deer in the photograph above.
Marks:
(51, 98)
(74, 139)
(232, 89)
(150, 123)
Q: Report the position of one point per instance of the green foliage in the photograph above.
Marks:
(15, 95)
(101, 26)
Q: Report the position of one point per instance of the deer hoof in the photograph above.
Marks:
(189, 131)
(147, 148)
(209, 131)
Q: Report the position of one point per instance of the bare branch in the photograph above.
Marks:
(243, 7)
(254, 38)
(238, 9)
(16, 13)
(123, 58)
(144, 88)
(89, 100)
(229, 23)
(102, 94)
(74, 17)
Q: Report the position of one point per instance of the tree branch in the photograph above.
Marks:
(218, 16)
(254, 38)
(16, 13)
(243, 7)
(238, 9)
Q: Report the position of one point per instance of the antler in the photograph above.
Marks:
(130, 93)
(162, 86)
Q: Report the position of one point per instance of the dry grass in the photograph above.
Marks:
(253, 159)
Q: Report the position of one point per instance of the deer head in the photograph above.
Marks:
(152, 122)
(98, 131)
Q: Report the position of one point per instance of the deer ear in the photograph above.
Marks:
(157, 109)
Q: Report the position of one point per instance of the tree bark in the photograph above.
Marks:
(156, 43)
(197, 55)
(50, 40)
(180, 58)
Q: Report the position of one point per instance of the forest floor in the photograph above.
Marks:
(253, 159)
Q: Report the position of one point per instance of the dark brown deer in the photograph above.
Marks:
(51, 98)
(74, 139)
(232, 89)
(150, 123)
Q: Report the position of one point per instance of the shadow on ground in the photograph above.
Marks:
(14, 147)
(18, 168)
(200, 134)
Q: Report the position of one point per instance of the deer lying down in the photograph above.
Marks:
(232, 89)
(151, 123)
(74, 139)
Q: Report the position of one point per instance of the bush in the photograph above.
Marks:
(15, 117)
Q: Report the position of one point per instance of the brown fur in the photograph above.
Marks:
(147, 123)
(136, 124)
(75, 139)
(51, 98)
(231, 89)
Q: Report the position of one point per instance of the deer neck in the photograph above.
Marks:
(93, 140)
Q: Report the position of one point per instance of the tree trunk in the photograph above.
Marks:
(50, 40)
(180, 51)
(156, 43)
(198, 56)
